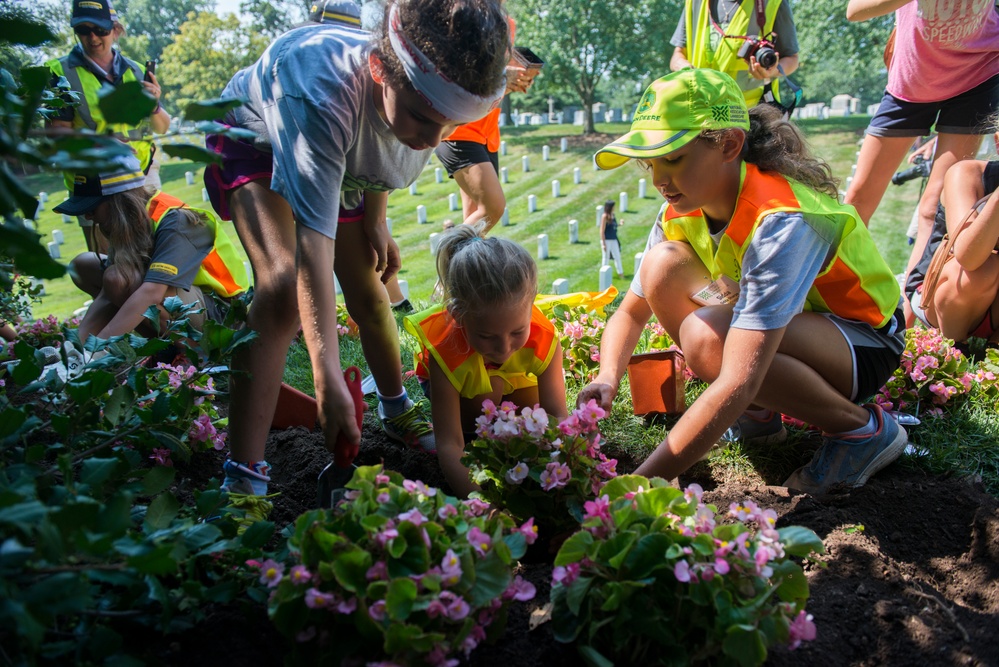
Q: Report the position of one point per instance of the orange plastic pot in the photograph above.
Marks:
(657, 383)
(294, 409)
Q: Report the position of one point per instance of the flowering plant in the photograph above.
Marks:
(401, 571)
(45, 331)
(655, 576)
(579, 330)
(932, 371)
(533, 466)
(205, 425)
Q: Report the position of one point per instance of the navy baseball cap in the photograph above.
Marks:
(90, 190)
(98, 12)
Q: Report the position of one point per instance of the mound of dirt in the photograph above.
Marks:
(909, 577)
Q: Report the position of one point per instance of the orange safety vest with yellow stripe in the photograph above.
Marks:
(442, 339)
(855, 283)
(221, 270)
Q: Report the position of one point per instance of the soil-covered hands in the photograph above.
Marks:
(602, 392)
(336, 413)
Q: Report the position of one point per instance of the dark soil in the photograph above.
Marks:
(911, 572)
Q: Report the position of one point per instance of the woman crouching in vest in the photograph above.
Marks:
(774, 290)
(487, 341)
(157, 247)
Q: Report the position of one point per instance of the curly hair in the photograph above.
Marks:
(774, 144)
(478, 273)
(469, 40)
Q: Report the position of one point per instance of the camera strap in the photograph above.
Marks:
(770, 98)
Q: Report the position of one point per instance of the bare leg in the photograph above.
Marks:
(481, 194)
(266, 227)
(879, 158)
(963, 298)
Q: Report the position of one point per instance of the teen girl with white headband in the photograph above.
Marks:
(341, 118)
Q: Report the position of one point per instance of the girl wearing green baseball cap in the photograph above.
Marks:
(773, 289)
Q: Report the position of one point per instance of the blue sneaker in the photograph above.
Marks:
(748, 430)
(246, 484)
(846, 463)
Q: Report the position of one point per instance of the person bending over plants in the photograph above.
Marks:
(158, 247)
(487, 341)
(774, 290)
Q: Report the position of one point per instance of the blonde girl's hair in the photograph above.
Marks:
(477, 273)
(776, 145)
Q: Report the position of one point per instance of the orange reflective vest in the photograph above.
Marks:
(222, 270)
(441, 338)
(855, 283)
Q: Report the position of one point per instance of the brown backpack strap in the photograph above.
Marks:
(944, 253)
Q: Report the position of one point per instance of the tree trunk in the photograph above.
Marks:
(588, 127)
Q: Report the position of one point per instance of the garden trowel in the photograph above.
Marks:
(335, 476)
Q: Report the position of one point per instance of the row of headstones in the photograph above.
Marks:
(849, 179)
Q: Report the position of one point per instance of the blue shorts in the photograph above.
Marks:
(968, 113)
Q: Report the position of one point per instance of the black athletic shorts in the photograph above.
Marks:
(456, 155)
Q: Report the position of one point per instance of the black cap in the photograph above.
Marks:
(90, 190)
(98, 12)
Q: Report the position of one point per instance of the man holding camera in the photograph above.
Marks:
(753, 41)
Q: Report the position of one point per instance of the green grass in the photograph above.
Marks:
(967, 441)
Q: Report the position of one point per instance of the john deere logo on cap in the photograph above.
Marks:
(648, 99)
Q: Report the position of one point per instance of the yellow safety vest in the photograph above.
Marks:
(855, 284)
(222, 270)
(87, 114)
(441, 338)
(697, 14)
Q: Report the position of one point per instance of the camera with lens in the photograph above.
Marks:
(764, 50)
(920, 169)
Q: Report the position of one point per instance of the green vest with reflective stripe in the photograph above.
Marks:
(697, 14)
(87, 114)
(855, 283)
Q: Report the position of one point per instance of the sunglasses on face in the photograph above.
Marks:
(86, 30)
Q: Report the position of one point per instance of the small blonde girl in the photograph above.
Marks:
(486, 340)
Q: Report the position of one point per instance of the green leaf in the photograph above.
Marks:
(155, 561)
(20, 238)
(25, 31)
(210, 109)
(191, 152)
(576, 594)
(94, 472)
(127, 103)
(157, 479)
(656, 501)
(648, 554)
(257, 534)
(565, 625)
(161, 512)
(400, 598)
(351, 567)
(619, 486)
(24, 516)
(400, 637)
(492, 577)
(119, 404)
(593, 657)
(11, 420)
(745, 645)
(574, 549)
(800, 541)
(793, 584)
(201, 535)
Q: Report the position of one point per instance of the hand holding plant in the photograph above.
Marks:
(656, 577)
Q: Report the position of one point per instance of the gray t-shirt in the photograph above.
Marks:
(179, 247)
(722, 11)
(310, 102)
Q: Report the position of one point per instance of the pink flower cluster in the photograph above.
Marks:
(580, 331)
(932, 371)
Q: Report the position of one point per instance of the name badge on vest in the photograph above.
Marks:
(721, 292)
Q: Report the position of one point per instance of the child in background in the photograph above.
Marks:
(609, 245)
(774, 290)
(341, 118)
(487, 341)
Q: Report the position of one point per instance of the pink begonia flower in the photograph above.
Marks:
(271, 573)
(517, 474)
(573, 330)
(505, 428)
(482, 426)
(693, 492)
(458, 608)
(418, 487)
(595, 354)
(590, 412)
(743, 512)
(316, 599)
(473, 639)
(300, 575)
(488, 409)
(721, 566)
(682, 572)
(352, 494)
(507, 410)
(597, 509)
(218, 440)
(450, 569)
(381, 478)
(438, 658)
(377, 610)
(414, 516)
(565, 575)
(479, 541)
(801, 629)
(607, 468)
(377, 571)
(529, 531)
(447, 510)
(704, 520)
(436, 608)
(386, 535)
(555, 476)
(306, 635)
(384, 497)
(763, 556)
(570, 425)
(475, 507)
(161, 456)
(202, 429)
(346, 607)
(520, 590)
(535, 420)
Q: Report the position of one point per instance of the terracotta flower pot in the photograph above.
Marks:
(294, 409)
(657, 384)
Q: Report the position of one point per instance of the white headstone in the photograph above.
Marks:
(438, 175)
(641, 188)
(638, 261)
(542, 246)
(556, 189)
(189, 177)
(36, 283)
(623, 205)
(525, 162)
(560, 286)
(412, 188)
(204, 194)
(853, 170)
(532, 203)
(564, 145)
(67, 219)
(502, 148)
(545, 153)
(600, 214)
(502, 120)
(404, 287)
(505, 218)
(53, 250)
(579, 117)
(849, 179)
(606, 277)
(29, 225)
(388, 223)
(43, 197)
(574, 231)
(452, 202)
(504, 175)
(435, 241)
(336, 285)
(421, 214)
(577, 175)
(57, 236)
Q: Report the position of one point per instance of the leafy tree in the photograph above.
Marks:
(272, 17)
(591, 41)
(152, 24)
(204, 55)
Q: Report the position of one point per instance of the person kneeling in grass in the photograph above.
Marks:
(774, 290)
(157, 247)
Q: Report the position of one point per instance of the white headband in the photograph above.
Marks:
(444, 96)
